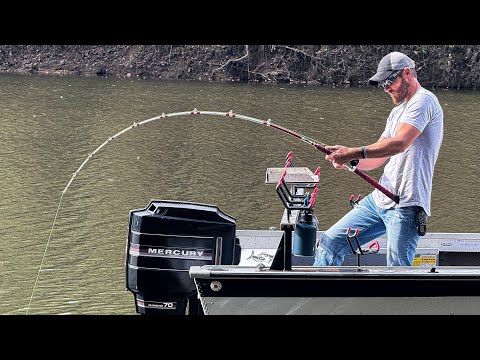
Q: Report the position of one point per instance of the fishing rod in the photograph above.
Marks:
(318, 145)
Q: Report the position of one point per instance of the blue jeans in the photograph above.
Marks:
(398, 223)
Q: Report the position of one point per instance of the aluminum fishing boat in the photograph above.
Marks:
(189, 258)
(445, 279)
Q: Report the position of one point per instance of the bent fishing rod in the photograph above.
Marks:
(318, 145)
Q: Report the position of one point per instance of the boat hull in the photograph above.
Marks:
(237, 290)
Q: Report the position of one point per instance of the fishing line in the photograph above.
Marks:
(44, 253)
(317, 144)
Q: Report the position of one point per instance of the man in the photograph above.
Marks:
(411, 142)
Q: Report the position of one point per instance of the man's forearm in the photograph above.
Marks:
(370, 164)
(385, 148)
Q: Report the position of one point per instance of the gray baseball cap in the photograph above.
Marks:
(389, 63)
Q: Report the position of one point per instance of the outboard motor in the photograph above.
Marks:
(164, 240)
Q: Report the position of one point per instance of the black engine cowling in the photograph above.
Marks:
(164, 240)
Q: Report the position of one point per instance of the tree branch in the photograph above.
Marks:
(318, 60)
(234, 60)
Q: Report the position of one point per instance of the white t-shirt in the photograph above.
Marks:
(409, 174)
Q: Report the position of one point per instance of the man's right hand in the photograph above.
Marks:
(340, 155)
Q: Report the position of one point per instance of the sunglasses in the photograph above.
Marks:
(389, 81)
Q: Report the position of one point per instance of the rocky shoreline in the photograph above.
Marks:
(443, 66)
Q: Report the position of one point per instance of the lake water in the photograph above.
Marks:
(51, 124)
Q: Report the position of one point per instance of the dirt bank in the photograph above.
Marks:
(446, 66)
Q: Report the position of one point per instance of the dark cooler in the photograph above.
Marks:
(164, 240)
